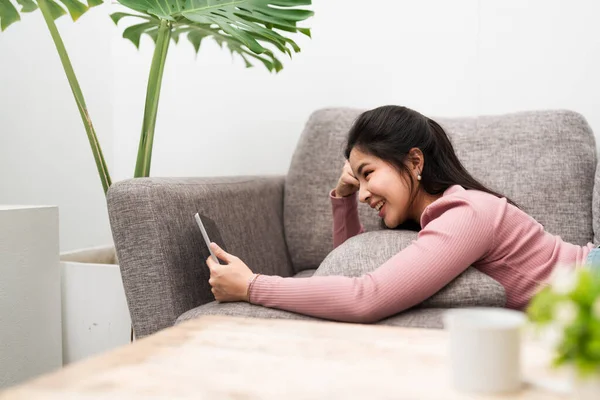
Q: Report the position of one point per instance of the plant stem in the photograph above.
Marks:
(144, 156)
(78, 95)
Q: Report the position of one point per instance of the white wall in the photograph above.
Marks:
(540, 54)
(443, 58)
(45, 157)
(218, 118)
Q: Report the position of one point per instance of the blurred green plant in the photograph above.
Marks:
(569, 308)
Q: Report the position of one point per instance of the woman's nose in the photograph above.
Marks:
(363, 194)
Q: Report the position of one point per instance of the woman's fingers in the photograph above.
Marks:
(348, 169)
(218, 295)
(221, 254)
(211, 264)
(352, 180)
(349, 180)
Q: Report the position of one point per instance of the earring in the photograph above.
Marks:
(419, 177)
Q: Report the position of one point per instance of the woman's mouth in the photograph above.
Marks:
(379, 207)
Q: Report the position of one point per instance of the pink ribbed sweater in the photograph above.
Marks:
(461, 228)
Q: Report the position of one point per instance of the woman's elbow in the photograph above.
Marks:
(365, 315)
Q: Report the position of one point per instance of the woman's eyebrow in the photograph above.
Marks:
(360, 168)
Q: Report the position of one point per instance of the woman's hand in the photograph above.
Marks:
(230, 281)
(347, 184)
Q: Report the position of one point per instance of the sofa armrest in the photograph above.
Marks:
(160, 248)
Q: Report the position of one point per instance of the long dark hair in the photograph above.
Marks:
(389, 132)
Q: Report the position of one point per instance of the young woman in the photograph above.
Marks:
(403, 165)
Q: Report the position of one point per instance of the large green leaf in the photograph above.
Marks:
(249, 28)
(9, 13)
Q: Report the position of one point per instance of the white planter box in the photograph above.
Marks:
(94, 308)
(30, 314)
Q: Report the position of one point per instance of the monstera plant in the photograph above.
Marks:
(253, 29)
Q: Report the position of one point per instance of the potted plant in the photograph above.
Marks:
(568, 312)
(255, 30)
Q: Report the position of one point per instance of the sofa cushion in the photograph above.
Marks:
(417, 318)
(363, 253)
(414, 318)
(517, 154)
(307, 273)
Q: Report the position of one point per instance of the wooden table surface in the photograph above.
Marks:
(218, 357)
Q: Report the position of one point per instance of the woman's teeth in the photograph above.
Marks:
(379, 205)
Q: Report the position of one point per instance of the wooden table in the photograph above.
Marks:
(217, 357)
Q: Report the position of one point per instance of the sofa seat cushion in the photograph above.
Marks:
(364, 253)
(414, 318)
(426, 318)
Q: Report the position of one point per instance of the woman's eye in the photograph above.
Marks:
(367, 174)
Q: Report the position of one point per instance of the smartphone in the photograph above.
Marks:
(205, 237)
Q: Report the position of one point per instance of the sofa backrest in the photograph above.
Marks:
(543, 160)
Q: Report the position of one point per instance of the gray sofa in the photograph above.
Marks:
(544, 160)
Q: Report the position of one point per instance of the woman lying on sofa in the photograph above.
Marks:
(403, 165)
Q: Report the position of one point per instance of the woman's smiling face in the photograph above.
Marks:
(381, 183)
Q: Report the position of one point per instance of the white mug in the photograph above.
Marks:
(485, 349)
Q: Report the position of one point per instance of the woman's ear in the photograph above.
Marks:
(415, 159)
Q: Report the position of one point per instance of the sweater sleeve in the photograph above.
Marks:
(345, 218)
(457, 235)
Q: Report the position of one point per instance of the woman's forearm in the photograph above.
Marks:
(346, 222)
(330, 297)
